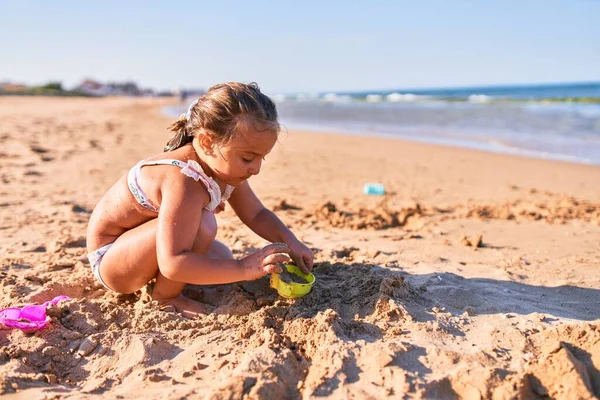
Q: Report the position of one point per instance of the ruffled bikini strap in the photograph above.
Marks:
(194, 170)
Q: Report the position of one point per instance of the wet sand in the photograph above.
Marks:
(477, 276)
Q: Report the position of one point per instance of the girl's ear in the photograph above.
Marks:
(206, 144)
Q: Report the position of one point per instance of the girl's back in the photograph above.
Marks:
(118, 210)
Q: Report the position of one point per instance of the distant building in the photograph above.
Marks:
(124, 89)
(185, 94)
(165, 93)
(9, 87)
(93, 88)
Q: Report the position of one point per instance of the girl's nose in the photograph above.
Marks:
(255, 167)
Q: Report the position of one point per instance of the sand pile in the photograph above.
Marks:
(553, 209)
(361, 218)
(263, 346)
(267, 345)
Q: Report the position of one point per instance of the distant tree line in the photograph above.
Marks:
(87, 88)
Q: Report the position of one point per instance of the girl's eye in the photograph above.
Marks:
(247, 160)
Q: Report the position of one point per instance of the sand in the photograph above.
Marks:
(477, 276)
(289, 277)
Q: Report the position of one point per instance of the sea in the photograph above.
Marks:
(558, 121)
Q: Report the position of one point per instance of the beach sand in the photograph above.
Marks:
(477, 276)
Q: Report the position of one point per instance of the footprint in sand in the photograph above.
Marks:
(33, 173)
(38, 149)
(80, 209)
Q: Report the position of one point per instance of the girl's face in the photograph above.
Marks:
(242, 157)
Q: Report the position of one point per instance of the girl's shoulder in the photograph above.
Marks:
(181, 155)
(175, 165)
(163, 171)
(183, 175)
(178, 158)
(173, 179)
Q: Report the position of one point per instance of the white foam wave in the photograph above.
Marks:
(399, 97)
(478, 98)
(374, 98)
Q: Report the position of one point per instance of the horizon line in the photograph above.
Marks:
(352, 91)
(452, 87)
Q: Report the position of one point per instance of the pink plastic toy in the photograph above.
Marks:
(29, 318)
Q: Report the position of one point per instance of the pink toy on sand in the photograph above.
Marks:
(29, 318)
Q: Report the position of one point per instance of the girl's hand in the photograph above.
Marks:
(265, 261)
(302, 256)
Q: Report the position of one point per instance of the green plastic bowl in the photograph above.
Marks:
(293, 290)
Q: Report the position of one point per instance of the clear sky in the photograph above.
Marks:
(292, 46)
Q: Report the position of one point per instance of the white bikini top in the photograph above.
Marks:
(192, 169)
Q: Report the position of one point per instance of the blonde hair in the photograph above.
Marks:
(219, 112)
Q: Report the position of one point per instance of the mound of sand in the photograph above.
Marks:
(361, 218)
(553, 209)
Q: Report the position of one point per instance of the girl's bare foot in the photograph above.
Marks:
(188, 308)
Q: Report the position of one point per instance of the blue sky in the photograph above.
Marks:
(292, 46)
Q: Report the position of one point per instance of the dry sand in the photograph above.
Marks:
(478, 276)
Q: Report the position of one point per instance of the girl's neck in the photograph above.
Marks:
(197, 151)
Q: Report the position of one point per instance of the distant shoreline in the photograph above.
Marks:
(550, 91)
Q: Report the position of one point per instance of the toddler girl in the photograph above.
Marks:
(158, 220)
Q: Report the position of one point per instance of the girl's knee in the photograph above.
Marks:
(207, 232)
(220, 251)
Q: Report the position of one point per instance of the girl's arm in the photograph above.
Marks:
(179, 221)
(267, 225)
